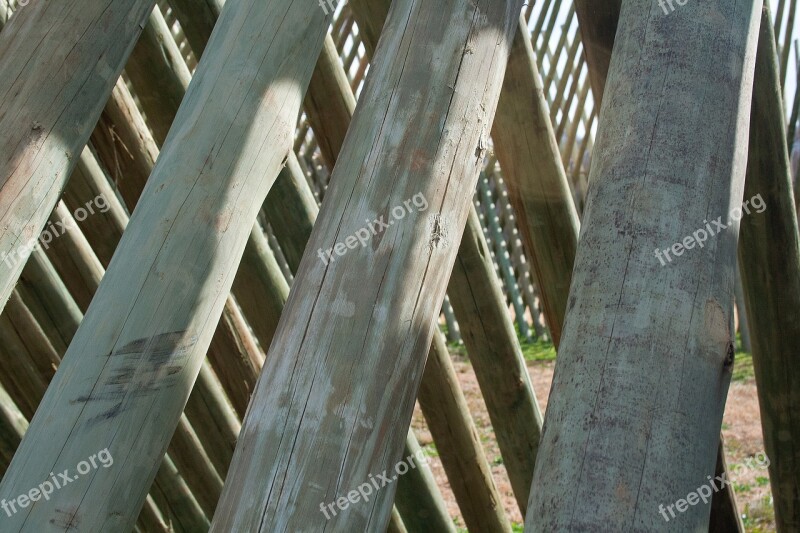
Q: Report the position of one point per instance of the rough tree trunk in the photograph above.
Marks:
(645, 360)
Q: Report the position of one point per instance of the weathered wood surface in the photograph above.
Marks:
(214, 421)
(173, 269)
(446, 411)
(328, 101)
(528, 153)
(197, 18)
(329, 105)
(103, 227)
(769, 259)
(72, 256)
(176, 500)
(125, 145)
(260, 288)
(45, 294)
(365, 321)
(491, 343)
(158, 72)
(12, 427)
(24, 342)
(291, 209)
(597, 22)
(646, 356)
(51, 94)
(495, 354)
(422, 509)
(29, 362)
(156, 57)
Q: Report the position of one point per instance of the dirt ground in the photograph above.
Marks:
(741, 430)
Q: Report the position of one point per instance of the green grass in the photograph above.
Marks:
(455, 348)
(538, 350)
(743, 363)
(758, 516)
(517, 528)
(430, 450)
(743, 367)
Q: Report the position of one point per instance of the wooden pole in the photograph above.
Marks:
(646, 357)
(495, 354)
(174, 267)
(528, 153)
(361, 349)
(486, 328)
(158, 74)
(125, 145)
(470, 476)
(47, 123)
(420, 513)
(160, 78)
(24, 333)
(769, 259)
(90, 188)
(12, 427)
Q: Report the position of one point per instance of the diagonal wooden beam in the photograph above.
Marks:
(361, 350)
(46, 124)
(187, 233)
(769, 259)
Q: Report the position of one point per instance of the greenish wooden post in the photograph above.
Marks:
(646, 356)
(46, 123)
(172, 272)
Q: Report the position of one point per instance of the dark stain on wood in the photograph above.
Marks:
(149, 365)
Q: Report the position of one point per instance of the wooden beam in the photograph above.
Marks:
(488, 332)
(496, 356)
(188, 232)
(160, 78)
(47, 124)
(769, 259)
(350, 338)
(158, 74)
(448, 417)
(646, 357)
(422, 510)
(597, 22)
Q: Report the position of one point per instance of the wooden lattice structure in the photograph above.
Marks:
(178, 130)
